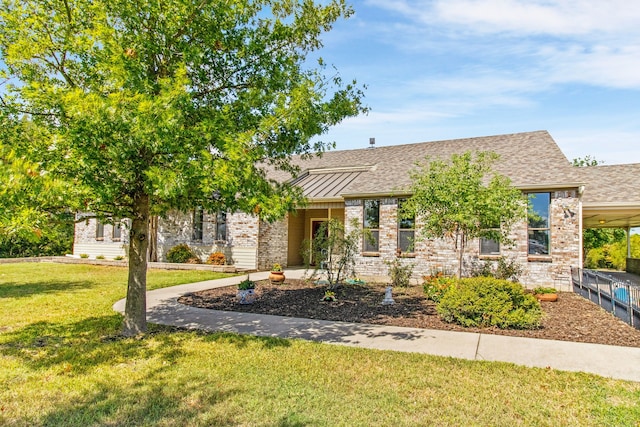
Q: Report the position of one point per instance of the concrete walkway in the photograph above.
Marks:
(609, 361)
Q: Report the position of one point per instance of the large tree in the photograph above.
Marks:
(464, 199)
(159, 105)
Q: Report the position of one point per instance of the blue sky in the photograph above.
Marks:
(444, 69)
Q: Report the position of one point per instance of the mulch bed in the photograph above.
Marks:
(571, 318)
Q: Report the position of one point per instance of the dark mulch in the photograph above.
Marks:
(571, 318)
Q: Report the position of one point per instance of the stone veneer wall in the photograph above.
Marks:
(242, 236)
(273, 241)
(633, 265)
(434, 255)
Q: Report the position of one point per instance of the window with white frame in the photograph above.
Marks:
(371, 224)
(539, 223)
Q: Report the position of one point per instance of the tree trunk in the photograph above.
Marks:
(135, 316)
(461, 254)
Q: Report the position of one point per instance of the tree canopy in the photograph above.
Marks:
(161, 105)
(463, 199)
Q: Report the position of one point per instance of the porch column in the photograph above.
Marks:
(628, 241)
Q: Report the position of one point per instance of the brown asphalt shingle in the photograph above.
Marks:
(529, 159)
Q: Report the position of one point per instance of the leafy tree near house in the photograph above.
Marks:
(334, 250)
(152, 106)
(35, 215)
(462, 199)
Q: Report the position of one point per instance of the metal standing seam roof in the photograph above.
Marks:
(329, 184)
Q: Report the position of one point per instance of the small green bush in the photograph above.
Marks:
(118, 258)
(435, 286)
(485, 301)
(503, 268)
(400, 273)
(181, 254)
(84, 256)
(100, 257)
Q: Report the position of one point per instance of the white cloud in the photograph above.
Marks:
(568, 17)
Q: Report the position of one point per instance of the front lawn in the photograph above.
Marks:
(63, 363)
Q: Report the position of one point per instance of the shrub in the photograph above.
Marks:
(544, 290)
(217, 258)
(118, 258)
(181, 254)
(84, 256)
(400, 273)
(435, 286)
(505, 268)
(100, 257)
(484, 301)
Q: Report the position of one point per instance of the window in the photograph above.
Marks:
(371, 223)
(406, 229)
(489, 246)
(221, 226)
(539, 225)
(99, 230)
(117, 231)
(198, 222)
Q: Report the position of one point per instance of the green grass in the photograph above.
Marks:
(62, 362)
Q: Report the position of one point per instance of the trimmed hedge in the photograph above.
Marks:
(486, 301)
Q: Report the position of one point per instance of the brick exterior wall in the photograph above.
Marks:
(432, 255)
(273, 241)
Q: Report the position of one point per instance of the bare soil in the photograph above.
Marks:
(571, 318)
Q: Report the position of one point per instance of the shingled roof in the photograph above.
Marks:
(611, 196)
(531, 160)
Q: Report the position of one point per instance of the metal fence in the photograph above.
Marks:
(621, 298)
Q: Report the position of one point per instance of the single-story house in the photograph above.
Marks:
(368, 184)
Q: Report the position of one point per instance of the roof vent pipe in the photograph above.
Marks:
(372, 142)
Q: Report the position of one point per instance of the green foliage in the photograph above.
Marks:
(99, 256)
(217, 258)
(455, 200)
(502, 268)
(485, 302)
(400, 272)
(155, 106)
(544, 290)
(181, 254)
(593, 238)
(334, 250)
(246, 284)
(118, 258)
(84, 256)
(613, 255)
(586, 161)
(436, 285)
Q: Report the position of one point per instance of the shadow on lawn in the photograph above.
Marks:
(22, 290)
(80, 346)
(150, 400)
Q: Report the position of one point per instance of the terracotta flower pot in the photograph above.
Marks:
(276, 277)
(547, 297)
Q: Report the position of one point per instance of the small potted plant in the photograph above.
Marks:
(246, 291)
(545, 294)
(276, 276)
(329, 296)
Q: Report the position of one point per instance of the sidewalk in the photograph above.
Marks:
(609, 361)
